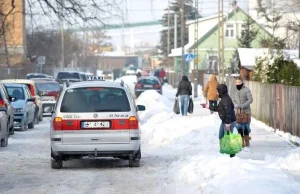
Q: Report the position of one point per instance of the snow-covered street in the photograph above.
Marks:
(179, 155)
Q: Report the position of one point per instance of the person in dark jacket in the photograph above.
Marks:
(185, 91)
(226, 111)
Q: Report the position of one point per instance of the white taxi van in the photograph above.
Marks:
(95, 119)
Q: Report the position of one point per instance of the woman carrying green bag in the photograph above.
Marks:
(226, 112)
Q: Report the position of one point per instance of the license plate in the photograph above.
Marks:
(148, 86)
(95, 124)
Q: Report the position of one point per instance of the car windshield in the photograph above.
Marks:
(95, 99)
(16, 92)
(36, 76)
(148, 81)
(48, 86)
(68, 75)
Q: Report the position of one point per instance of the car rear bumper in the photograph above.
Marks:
(95, 149)
(138, 92)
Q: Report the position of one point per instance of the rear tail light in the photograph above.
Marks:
(133, 123)
(157, 86)
(2, 103)
(63, 125)
(57, 124)
(139, 85)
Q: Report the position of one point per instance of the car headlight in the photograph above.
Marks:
(19, 110)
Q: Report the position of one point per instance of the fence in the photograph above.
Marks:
(12, 73)
(274, 104)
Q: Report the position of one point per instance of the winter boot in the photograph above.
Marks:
(247, 140)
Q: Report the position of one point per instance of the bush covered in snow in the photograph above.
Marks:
(276, 69)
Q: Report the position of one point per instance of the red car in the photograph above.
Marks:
(49, 92)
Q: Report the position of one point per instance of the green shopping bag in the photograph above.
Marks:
(231, 143)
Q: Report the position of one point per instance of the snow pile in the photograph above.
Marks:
(158, 107)
(192, 142)
(224, 175)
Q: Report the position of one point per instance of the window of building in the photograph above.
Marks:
(230, 31)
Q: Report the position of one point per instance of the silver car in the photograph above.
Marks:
(96, 119)
(4, 129)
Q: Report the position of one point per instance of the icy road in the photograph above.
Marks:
(179, 155)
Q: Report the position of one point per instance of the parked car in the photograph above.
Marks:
(147, 83)
(31, 84)
(36, 75)
(4, 129)
(49, 92)
(68, 76)
(24, 116)
(98, 119)
(5, 101)
(108, 75)
(83, 76)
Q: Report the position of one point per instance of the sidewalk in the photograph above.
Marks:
(263, 142)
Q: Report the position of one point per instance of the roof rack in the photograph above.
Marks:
(122, 83)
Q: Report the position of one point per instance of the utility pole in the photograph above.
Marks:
(221, 39)
(196, 61)
(62, 39)
(175, 31)
(168, 46)
(182, 10)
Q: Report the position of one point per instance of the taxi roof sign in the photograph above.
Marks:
(97, 78)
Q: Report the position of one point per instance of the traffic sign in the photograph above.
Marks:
(189, 57)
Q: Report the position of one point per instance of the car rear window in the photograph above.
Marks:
(95, 99)
(16, 92)
(48, 86)
(68, 75)
(36, 76)
(148, 81)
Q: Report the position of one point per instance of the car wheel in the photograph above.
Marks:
(4, 142)
(12, 130)
(25, 126)
(31, 125)
(41, 117)
(36, 119)
(56, 163)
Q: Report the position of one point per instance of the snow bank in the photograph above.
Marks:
(224, 175)
(199, 167)
(158, 107)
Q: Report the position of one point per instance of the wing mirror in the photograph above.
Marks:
(31, 100)
(141, 108)
(13, 99)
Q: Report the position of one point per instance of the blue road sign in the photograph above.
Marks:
(189, 57)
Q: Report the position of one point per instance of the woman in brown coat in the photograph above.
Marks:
(210, 92)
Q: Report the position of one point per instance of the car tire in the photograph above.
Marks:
(41, 117)
(31, 125)
(4, 142)
(12, 130)
(56, 163)
(25, 126)
(36, 119)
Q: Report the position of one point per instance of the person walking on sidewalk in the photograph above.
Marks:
(162, 75)
(226, 111)
(242, 100)
(185, 91)
(210, 92)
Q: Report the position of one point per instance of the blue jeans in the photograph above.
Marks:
(244, 126)
(223, 129)
(184, 102)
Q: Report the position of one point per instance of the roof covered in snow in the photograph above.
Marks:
(247, 56)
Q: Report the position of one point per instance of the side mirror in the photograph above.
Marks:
(141, 108)
(3, 109)
(13, 99)
(41, 93)
(31, 100)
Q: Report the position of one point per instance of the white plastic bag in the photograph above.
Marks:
(235, 131)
